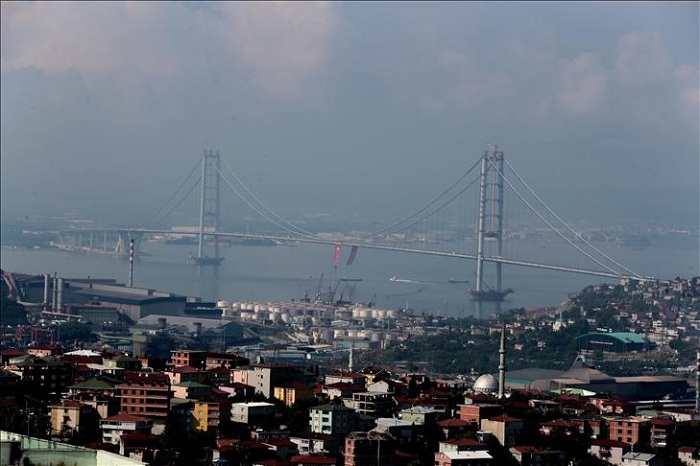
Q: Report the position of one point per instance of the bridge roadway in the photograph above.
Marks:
(361, 244)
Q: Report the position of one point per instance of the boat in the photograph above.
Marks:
(350, 279)
(490, 295)
(458, 280)
(400, 280)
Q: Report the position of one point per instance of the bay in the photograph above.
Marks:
(283, 273)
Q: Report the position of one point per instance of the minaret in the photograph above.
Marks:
(350, 359)
(502, 363)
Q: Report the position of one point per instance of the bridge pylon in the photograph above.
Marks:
(490, 222)
(209, 208)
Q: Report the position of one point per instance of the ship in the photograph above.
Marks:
(458, 280)
(490, 295)
(350, 279)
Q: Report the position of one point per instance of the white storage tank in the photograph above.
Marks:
(221, 304)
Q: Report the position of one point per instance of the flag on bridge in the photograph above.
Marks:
(353, 253)
(336, 256)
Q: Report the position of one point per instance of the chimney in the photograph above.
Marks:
(47, 278)
(131, 263)
(59, 295)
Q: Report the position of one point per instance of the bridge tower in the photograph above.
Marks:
(490, 222)
(209, 207)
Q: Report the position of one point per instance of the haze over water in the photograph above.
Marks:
(266, 273)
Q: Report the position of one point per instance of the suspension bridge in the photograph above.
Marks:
(440, 227)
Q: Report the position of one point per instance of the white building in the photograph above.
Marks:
(257, 413)
(332, 419)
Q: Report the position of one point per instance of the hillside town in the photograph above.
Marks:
(94, 372)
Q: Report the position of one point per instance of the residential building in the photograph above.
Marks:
(293, 392)
(506, 429)
(70, 418)
(191, 390)
(632, 458)
(530, 456)
(116, 426)
(331, 419)
(257, 413)
(609, 450)
(463, 458)
(264, 377)
(630, 430)
(182, 357)
(661, 431)
(475, 413)
(369, 449)
(209, 414)
(145, 394)
(375, 404)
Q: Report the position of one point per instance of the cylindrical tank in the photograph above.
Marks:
(221, 304)
(356, 313)
(375, 337)
(326, 334)
(339, 333)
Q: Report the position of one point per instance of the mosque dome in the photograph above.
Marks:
(486, 384)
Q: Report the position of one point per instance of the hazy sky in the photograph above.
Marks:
(350, 107)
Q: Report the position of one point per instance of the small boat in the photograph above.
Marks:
(458, 280)
(350, 279)
(400, 280)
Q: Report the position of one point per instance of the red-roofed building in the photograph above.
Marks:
(475, 413)
(461, 444)
(689, 455)
(313, 460)
(558, 426)
(180, 374)
(41, 351)
(283, 447)
(69, 418)
(530, 456)
(609, 450)
(453, 427)
(661, 430)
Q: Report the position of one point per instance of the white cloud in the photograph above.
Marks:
(582, 84)
(641, 57)
(280, 45)
(283, 43)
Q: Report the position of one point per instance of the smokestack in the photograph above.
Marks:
(54, 292)
(697, 382)
(47, 278)
(502, 363)
(131, 263)
(59, 295)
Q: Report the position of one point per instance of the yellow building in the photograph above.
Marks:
(209, 414)
(293, 392)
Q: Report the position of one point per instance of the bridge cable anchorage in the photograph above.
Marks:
(549, 224)
(303, 233)
(194, 168)
(251, 194)
(585, 241)
(388, 229)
